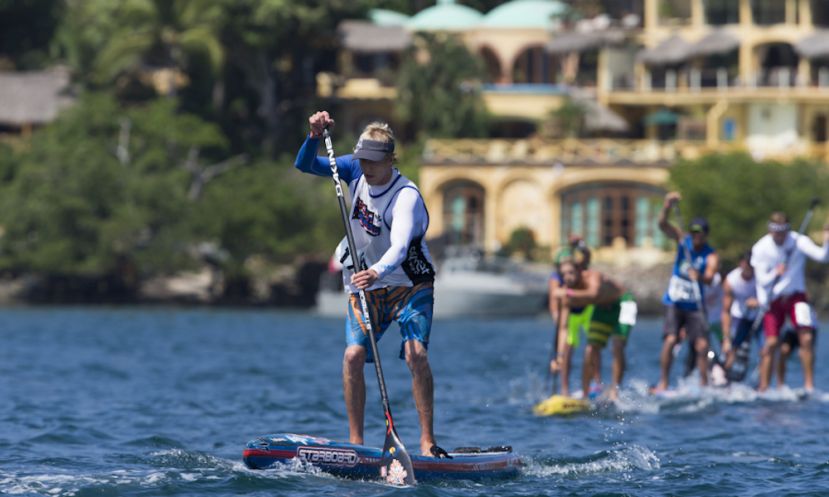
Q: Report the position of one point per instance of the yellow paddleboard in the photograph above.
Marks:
(559, 405)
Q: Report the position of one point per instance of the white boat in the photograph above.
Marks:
(469, 286)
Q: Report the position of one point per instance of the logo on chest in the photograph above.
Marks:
(370, 221)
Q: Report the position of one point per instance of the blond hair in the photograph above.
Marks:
(379, 131)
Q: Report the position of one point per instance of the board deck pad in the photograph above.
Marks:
(361, 462)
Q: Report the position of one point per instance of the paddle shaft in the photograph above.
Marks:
(554, 352)
(358, 266)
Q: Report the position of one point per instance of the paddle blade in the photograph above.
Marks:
(396, 466)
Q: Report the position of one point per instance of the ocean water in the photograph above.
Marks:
(155, 402)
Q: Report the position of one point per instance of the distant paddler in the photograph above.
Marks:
(695, 265)
(612, 314)
(739, 311)
(779, 261)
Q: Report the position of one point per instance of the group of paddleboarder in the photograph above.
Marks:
(752, 302)
(390, 279)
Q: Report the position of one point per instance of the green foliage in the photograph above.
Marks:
(26, 30)
(74, 207)
(737, 195)
(567, 120)
(444, 80)
(270, 209)
(521, 241)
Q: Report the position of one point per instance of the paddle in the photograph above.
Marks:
(396, 465)
(758, 319)
(554, 351)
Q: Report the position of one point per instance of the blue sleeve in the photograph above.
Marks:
(308, 161)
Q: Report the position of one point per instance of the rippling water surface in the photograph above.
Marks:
(155, 402)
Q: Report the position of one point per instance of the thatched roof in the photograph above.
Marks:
(582, 41)
(814, 46)
(671, 51)
(716, 42)
(33, 97)
(362, 36)
(598, 117)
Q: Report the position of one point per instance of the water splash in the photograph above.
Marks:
(623, 459)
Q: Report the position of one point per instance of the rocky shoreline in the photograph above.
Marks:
(289, 286)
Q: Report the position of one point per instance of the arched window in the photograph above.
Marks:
(492, 65)
(534, 65)
(778, 64)
(602, 212)
(463, 214)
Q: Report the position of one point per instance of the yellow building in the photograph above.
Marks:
(666, 79)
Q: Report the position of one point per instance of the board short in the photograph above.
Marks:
(692, 320)
(614, 319)
(578, 321)
(411, 307)
(741, 331)
(796, 307)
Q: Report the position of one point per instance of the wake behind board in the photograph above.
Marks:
(559, 405)
(360, 462)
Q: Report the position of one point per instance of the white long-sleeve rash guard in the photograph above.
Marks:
(408, 221)
(766, 255)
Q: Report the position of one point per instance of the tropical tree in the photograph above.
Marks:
(139, 44)
(439, 89)
(26, 31)
(737, 194)
(103, 185)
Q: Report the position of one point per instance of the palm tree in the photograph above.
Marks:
(160, 42)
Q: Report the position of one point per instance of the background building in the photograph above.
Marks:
(654, 80)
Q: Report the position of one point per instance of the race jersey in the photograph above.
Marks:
(766, 255)
(400, 255)
(681, 292)
(742, 290)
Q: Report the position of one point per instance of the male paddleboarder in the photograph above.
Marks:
(389, 220)
(739, 311)
(779, 261)
(612, 313)
(696, 262)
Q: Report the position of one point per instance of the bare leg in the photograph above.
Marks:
(665, 359)
(597, 366)
(565, 359)
(354, 389)
(766, 362)
(618, 366)
(588, 368)
(807, 357)
(423, 390)
(785, 352)
(701, 347)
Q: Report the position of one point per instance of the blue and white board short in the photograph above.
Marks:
(411, 307)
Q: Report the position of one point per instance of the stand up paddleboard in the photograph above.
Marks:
(559, 405)
(360, 462)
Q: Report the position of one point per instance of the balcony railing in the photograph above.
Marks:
(594, 152)
(566, 152)
(722, 79)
